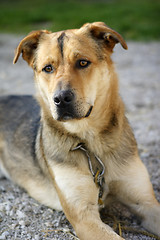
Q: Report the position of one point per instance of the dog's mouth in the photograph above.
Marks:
(70, 115)
(89, 112)
(66, 117)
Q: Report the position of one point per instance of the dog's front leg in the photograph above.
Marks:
(135, 190)
(78, 195)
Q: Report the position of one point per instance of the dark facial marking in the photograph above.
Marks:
(114, 120)
(112, 125)
(61, 42)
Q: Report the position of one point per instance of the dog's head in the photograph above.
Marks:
(72, 68)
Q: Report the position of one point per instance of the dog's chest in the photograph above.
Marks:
(97, 169)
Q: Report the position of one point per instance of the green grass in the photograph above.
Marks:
(134, 19)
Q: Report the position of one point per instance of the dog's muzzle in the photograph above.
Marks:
(66, 106)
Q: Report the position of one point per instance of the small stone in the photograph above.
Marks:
(22, 223)
(20, 214)
(4, 235)
(36, 237)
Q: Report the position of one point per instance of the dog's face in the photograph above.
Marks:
(66, 71)
(71, 67)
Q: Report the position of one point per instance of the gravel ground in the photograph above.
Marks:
(21, 217)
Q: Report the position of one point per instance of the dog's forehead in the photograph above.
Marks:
(73, 36)
(67, 43)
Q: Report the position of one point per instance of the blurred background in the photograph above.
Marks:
(134, 19)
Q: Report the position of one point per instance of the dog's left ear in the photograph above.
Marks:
(101, 31)
(28, 46)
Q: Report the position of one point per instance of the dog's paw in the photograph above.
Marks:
(151, 221)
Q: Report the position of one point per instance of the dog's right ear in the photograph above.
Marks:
(28, 46)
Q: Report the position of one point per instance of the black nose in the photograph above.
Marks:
(63, 98)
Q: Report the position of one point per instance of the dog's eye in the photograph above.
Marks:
(48, 68)
(82, 63)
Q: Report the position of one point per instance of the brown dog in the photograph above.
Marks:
(82, 152)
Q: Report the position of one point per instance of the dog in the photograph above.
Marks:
(72, 147)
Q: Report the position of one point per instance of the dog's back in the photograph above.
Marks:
(19, 123)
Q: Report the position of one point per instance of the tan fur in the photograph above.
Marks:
(67, 180)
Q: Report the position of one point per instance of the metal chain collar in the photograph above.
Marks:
(98, 176)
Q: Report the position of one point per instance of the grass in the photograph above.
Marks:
(134, 19)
